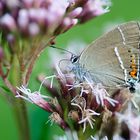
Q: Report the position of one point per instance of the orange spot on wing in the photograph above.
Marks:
(133, 73)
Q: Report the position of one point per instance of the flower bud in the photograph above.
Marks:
(69, 23)
(93, 9)
(41, 16)
(33, 13)
(11, 41)
(33, 29)
(23, 19)
(12, 3)
(55, 117)
(28, 3)
(75, 13)
(74, 115)
(8, 21)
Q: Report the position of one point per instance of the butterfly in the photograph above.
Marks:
(113, 59)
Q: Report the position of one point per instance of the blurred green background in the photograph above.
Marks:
(121, 11)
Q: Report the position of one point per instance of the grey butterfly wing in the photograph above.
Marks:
(101, 59)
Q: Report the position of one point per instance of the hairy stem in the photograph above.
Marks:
(33, 59)
(19, 105)
(21, 113)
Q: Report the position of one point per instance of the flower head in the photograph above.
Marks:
(87, 114)
(46, 16)
(87, 117)
(102, 95)
(34, 97)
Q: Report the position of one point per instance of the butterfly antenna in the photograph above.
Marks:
(52, 46)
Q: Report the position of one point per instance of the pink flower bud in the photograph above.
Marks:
(23, 19)
(68, 23)
(8, 21)
(12, 3)
(33, 29)
(28, 3)
(33, 13)
(11, 39)
(42, 13)
(76, 12)
(38, 15)
(94, 8)
(58, 7)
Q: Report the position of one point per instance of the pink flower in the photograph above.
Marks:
(34, 97)
(102, 95)
(48, 16)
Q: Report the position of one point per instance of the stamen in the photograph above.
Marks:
(48, 77)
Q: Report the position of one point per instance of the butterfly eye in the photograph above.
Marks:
(74, 59)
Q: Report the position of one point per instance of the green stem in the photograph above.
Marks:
(19, 105)
(21, 113)
(13, 101)
(37, 51)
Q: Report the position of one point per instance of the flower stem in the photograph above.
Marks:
(33, 59)
(19, 105)
(22, 117)
(21, 125)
